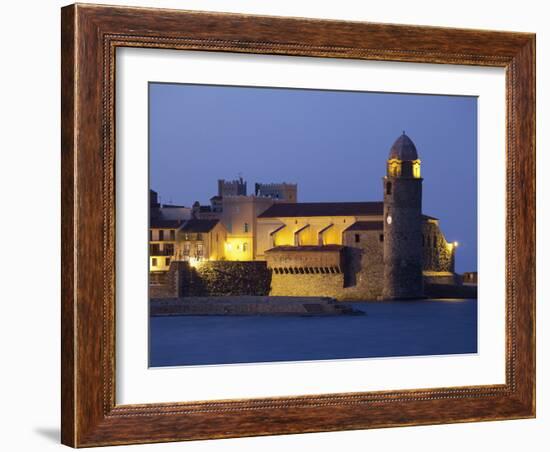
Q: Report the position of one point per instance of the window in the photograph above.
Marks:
(200, 250)
(168, 249)
(172, 234)
(246, 227)
(245, 247)
(154, 261)
(381, 237)
(167, 261)
(199, 236)
(186, 249)
(388, 188)
(161, 234)
(357, 238)
(154, 249)
(150, 235)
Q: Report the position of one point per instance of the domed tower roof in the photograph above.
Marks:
(403, 149)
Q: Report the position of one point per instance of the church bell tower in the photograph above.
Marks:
(403, 223)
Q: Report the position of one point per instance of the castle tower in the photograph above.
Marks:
(403, 222)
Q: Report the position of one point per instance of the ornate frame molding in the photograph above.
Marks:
(90, 36)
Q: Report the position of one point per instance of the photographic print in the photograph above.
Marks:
(274, 225)
(302, 224)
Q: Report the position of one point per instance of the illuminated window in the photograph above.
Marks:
(416, 169)
(394, 168)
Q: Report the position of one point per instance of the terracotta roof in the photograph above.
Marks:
(428, 217)
(323, 209)
(172, 206)
(403, 149)
(366, 226)
(305, 248)
(162, 223)
(199, 225)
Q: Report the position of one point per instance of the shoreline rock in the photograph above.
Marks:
(250, 305)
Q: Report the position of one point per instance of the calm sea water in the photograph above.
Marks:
(396, 328)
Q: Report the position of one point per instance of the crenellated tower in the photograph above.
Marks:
(403, 222)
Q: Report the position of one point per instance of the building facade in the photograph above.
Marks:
(279, 192)
(346, 250)
(201, 240)
(162, 243)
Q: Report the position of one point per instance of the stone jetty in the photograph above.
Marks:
(250, 305)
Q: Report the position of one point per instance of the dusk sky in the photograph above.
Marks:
(334, 144)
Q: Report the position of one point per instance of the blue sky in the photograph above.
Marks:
(334, 144)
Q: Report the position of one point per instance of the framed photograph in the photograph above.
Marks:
(281, 225)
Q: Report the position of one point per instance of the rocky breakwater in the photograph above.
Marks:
(250, 305)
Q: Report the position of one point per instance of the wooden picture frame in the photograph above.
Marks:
(90, 36)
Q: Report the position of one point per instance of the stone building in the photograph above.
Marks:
(240, 216)
(346, 250)
(162, 243)
(403, 255)
(369, 250)
(231, 188)
(279, 192)
(201, 240)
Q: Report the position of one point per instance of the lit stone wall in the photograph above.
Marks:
(354, 272)
(438, 254)
(364, 265)
(211, 278)
(308, 285)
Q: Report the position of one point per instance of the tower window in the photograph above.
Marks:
(388, 188)
(357, 238)
(246, 227)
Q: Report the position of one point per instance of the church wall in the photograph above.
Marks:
(354, 273)
(364, 268)
(438, 255)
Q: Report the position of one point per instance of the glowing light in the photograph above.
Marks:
(194, 262)
(416, 169)
(455, 244)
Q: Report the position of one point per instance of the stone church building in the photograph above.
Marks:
(359, 250)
